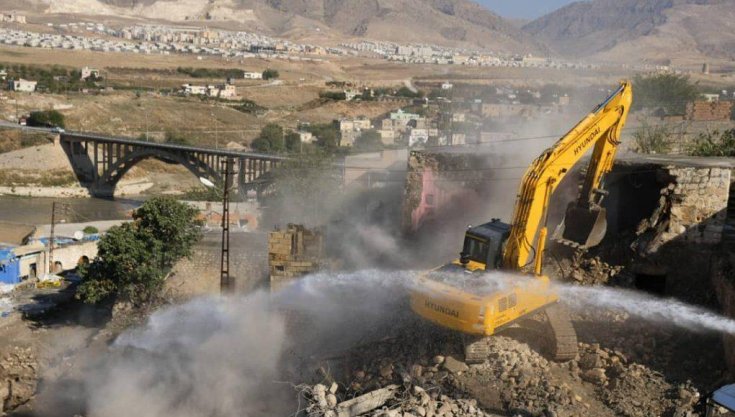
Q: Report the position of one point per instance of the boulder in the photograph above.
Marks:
(455, 366)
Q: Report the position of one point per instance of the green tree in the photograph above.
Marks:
(270, 139)
(133, 259)
(46, 118)
(671, 92)
(172, 222)
(292, 141)
(260, 144)
(125, 266)
(369, 140)
(407, 92)
(270, 74)
(327, 135)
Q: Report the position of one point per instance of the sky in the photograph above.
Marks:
(523, 9)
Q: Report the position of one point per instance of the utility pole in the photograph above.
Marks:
(225, 279)
(54, 207)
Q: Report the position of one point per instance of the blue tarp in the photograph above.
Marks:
(9, 267)
(725, 397)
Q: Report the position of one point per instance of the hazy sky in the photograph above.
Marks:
(526, 9)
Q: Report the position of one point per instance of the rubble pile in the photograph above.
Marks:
(390, 401)
(17, 378)
(406, 377)
(591, 271)
(631, 389)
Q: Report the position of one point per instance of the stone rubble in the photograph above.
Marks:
(17, 378)
(515, 380)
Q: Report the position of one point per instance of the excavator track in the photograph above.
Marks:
(476, 349)
(563, 341)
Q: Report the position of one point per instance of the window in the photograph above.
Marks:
(430, 199)
(503, 304)
(476, 249)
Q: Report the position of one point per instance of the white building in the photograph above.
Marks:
(306, 137)
(418, 137)
(22, 85)
(253, 75)
(194, 90)
(89, 72)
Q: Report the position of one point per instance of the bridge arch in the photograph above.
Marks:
(122, 165)
(100, 162)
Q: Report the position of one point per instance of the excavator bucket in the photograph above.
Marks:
(583, 227)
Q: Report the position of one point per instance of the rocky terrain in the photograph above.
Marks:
(447, 22)
(657, 30)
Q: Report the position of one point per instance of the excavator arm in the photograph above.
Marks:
(600, 129)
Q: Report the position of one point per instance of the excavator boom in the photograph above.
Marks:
(600, 129)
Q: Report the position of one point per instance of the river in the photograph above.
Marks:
(37, 210)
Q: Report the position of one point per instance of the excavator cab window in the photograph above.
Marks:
(484, 244)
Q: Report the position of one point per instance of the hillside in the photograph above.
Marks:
(443, 22)
(657, 31)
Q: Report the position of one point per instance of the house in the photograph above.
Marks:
(418, 137)
(350, 129)
(193, 90)
(22, 85)
(253, 75)
(387, 136)
(222, 91)
(13, 18)
(3, 74)
(88, 72)
(306, 137)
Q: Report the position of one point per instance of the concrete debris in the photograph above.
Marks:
(402, 377)
(18, 378)
(394, 401)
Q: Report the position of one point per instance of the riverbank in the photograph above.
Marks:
(133, 188)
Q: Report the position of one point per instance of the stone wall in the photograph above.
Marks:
(293, 253)
(200, 274)
(691, 208)
(698, 204)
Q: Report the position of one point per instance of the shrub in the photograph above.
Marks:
(270, 74)
(714, 144)
(90, 230)
(46, 118)
(652, 139)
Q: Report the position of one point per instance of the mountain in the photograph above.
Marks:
(657, 31)
(443, 22)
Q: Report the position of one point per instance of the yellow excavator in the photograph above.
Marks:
(460, 296)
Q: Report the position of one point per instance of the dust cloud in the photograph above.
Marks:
(239, 356)
(225, 356)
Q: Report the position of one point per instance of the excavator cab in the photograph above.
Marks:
(483, 246)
